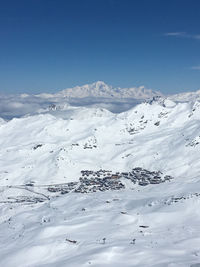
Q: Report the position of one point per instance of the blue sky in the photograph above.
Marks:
(49, 45)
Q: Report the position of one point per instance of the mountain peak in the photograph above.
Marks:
(101, 89)
(99, 83)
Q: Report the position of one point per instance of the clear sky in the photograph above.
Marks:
(49, 45)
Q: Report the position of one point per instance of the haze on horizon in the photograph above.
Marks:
(47, 46)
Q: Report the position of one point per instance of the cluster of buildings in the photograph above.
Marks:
(63, 188)
(103, 180)
(94, 184)
(144, 177)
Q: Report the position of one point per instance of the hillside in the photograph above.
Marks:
(47, 160)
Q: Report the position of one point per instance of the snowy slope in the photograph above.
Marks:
(186, 96)
(166, 135)
(153, 225)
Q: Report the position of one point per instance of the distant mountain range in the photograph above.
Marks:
(101, 89)
(96, 95)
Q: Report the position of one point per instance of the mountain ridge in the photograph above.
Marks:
(101, 89)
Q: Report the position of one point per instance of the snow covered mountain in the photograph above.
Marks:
(187, 96)
(95, 95)
(87, 187)
(101, 89)
(110, 137)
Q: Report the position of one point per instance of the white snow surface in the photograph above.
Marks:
(156, 225)
(186, 96)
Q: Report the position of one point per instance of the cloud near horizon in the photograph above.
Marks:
(183, 35)
(195, 67)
